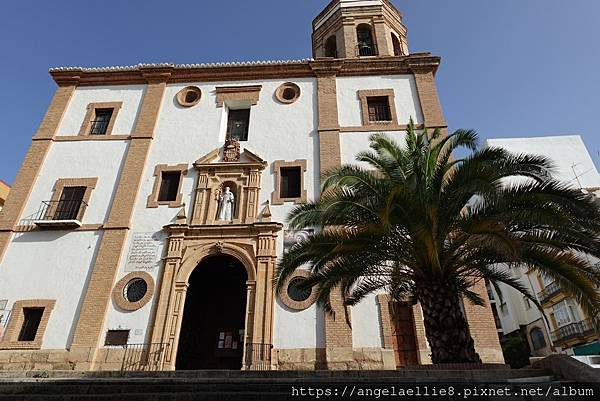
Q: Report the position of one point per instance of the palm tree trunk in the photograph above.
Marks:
(446, 328)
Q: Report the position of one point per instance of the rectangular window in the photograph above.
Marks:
(290, 185)
(101, 121)
(565, 313)
(527, 303)
(31, 322)
(116, 337)
(169, 186)
(69, 204)
(379, 109)
(238, 122)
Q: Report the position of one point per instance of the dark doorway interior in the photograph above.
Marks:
(212, 330)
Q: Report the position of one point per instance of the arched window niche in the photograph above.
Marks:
(364, 36)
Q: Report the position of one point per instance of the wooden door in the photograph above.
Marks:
(403, 335)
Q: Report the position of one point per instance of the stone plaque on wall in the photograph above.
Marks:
(144, 251)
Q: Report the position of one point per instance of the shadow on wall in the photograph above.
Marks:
(40, 236)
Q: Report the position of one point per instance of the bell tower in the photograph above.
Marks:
(359, 28)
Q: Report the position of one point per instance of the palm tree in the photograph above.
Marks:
(424, 226)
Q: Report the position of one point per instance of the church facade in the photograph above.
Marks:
(145, 224)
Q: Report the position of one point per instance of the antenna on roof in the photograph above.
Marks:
(575, 173)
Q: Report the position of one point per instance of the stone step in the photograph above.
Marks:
(468, 374)
(51, 387)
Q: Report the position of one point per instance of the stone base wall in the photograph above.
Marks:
(76, 359)
(334, 359)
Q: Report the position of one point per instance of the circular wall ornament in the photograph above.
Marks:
(287, 93)
(133, 291)
(189, 96)
(297, 298)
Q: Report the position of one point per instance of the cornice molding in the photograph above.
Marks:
(185, 73)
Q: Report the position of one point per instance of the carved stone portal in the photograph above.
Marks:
(242, 177)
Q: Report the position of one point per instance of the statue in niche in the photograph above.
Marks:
(226, 205)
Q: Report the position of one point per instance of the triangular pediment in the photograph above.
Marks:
(215, 157)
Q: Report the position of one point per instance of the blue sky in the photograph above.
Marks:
(510, 68)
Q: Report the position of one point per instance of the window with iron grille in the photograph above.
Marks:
(116, 337)
(69, 203)
(31, 322)
(101, 121)
(379, 108)
(169, 186)
(237, 124)
(290, 182)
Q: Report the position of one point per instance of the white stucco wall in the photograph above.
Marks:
(351, 143)
(130, 95)
(50, 265)
(405, 96)
(568, 153)
(81, 159)
(366, 331)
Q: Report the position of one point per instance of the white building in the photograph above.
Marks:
(116, 235)
(568, 327)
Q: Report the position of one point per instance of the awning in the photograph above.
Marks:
(588, 349)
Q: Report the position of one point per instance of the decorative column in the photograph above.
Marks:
(202, 194)
(262, 327)
(350, 41)
(252, 196)
(163, 328)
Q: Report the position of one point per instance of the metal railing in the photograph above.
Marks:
(548, 292)
(574, 330)
(143, 357)
(365, 49)
(60, 210)
(258, 356)
(99, 127)
(379, 112)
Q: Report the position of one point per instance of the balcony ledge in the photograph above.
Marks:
(57, 224)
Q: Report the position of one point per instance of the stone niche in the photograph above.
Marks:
(242, 174)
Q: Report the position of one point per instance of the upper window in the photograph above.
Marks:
(100, 122)
(537, 339)
(32, 317)
(169, 186)
(289, 182)
(379, 109)
(366, 45)
(100, 118)
(331, 47)
(290, 185)
(238, 122)
(397, 46)
(70, 203)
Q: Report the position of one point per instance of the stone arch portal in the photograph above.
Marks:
(254, 247)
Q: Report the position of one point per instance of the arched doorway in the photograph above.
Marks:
(212, 330)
